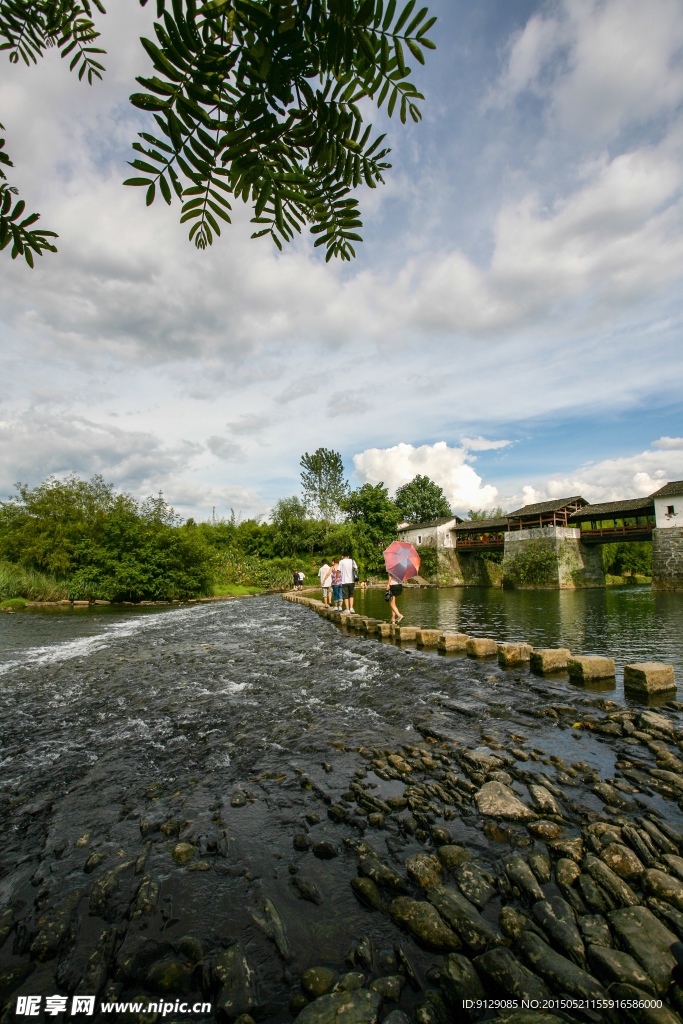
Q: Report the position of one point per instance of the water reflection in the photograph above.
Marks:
(627, 623)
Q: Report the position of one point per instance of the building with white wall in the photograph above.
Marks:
(433, 534)
(669, 505)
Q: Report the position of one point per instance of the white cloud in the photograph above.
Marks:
(224, 449)
(599, 65)
(671, 443)
(482, 444)
(631, 476)
(446, 466)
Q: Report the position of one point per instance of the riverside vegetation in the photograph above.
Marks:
(380, 841)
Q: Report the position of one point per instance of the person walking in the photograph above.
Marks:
(336, 584)
(325, 574)
(349, 578)
(395, 589)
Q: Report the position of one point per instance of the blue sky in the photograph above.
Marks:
(511, 325)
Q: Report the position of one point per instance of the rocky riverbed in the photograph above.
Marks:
(242, 805)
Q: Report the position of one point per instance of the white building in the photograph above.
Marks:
(669, 505)
(434, 534)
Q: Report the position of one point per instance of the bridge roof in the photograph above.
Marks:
(483, 525)
(546, 506)
(674, 487)
(610, 508)
(431, 522)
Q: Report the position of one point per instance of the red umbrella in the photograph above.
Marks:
(402, 560)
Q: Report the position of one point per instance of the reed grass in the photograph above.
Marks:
(17, 581)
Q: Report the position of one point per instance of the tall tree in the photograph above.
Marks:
(323, 483)
(372, 508)
(482, 513)
(254, 99)
(421, 500)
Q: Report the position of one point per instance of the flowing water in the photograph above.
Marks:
(233, 727)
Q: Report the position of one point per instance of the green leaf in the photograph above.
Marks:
(137, 181)
(389, 16)
(149, 198)
(407, 11)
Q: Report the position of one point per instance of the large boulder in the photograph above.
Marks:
(499, 801)
(476, 933)
(356, 1007)
(648, 941)
(424, 923)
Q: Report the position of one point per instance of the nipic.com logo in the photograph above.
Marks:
(29, 1006)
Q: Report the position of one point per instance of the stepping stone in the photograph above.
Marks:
(584, 668)
(649, 677)
(510, 655)
(453, 641)
(549, 660)
(480, 647)
(428, 637)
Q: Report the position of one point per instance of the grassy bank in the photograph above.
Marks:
(19, 582)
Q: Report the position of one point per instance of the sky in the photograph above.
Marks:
(511, 326)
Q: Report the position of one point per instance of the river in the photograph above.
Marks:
(229, 729)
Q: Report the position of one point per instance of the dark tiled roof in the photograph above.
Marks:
(674, 487)
(483, 525)
(546, 506)
(432, 522)
(609, 508)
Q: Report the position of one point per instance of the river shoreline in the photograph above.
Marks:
(197, 806)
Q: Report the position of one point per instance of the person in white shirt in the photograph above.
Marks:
(349, 572)
(325, 574)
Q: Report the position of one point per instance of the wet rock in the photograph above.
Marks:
(500, 801)
(502, 974)
(452, 855)
(476, 933)
(389, 988)
(620, 891)
(396, 1017)
(367, 892)
(521, 875)
(459, 981)
(199, 865)
(615, 966)
(170, 976)
(272, 926)
(647, 940)
(297, 1002)
(183, 853)
(307, 890)
(325, 850)
(549, 660)
(237, 980)
(192, 948)
(595, 897)
(622, 861)
(572, 848)
(363, 954)
(375, 819)
(660, 840)
(664, 887)
(350, 982)
(544, 829)
(424, 869)
(529, 1017)
(566, 871)
(639, 846)
(136, 956)
(381, 874)
(238, 799)
(397, 803)
(318, 981)
(146, 898)
(53, 932)
(557, 971)
(423, 922)
(634, 1010)
(95, 858)
(543, 800)
(612, 797)
(667, 914)
(475, 883)
(512, 921)
(432, 1009)
(302, 842)
(557, 920)
(595, 930)
(13, 970)
(440, 836)
(649, 677)
(539, 862)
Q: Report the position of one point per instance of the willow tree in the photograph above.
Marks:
(251, 100)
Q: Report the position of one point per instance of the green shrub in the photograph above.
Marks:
(18, 581)
(13, 604)
(536, 566)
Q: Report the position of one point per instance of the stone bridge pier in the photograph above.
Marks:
(552, 557)
(667, 558)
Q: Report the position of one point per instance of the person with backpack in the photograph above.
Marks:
(349, 578)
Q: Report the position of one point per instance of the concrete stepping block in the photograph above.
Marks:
(428, 637)
(584, 668)
(510, 655)
(453, 641)
(403, 633)
(549, 660)
(480, 647)
(383, 630)
(649, 677)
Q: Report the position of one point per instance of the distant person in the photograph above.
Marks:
(349, 578)
(395, 589)
(336, 584)
(325, 574)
